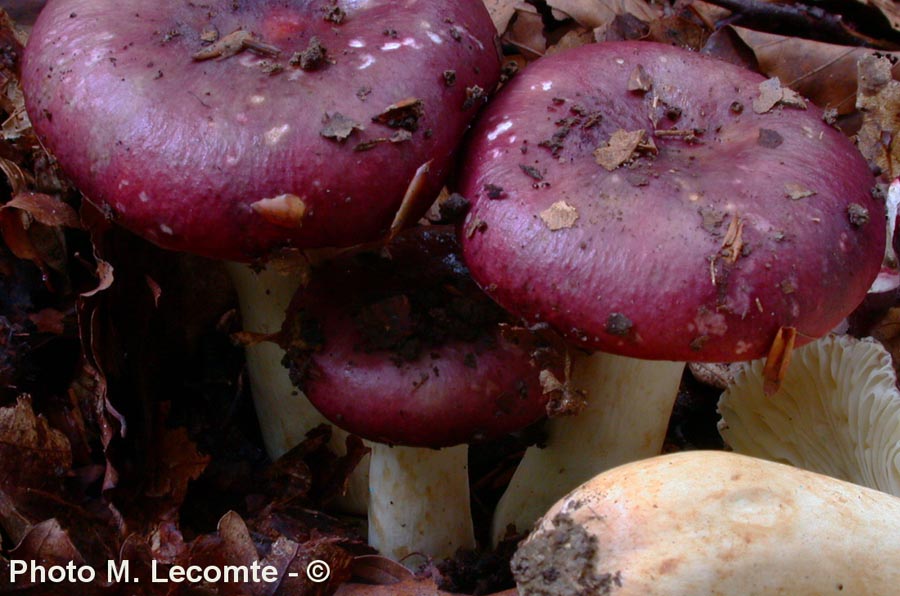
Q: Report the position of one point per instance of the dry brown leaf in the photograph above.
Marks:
(33, 453)
(526, 31)
(559, 216)
(501, 12)
(176, 462)
(45, 209)
(879, 101)
(889, 8)
(48, 543)
(824, 73)
(572, 39)
(49, 320)
(598, 14)
(375, 569)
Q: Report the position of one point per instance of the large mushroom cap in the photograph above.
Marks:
(401, 347)
(711, 522)
(661, 204)
(232, 128)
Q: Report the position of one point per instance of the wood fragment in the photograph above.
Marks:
(233, 44)
(733, 241)
(410, 200)
(778, 360)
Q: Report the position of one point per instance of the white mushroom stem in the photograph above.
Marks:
(629, 403)
(284, 413)
(419, 502)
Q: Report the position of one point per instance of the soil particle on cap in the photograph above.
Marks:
(338, 127)
(493, 191)
(699, 342)
(333, 13)
(370, 144)
(561, 560)
(768, 138)
(404, 114)
(618, 324)
(449, 77)
(475, 225)
(859, 215)
(712, 219)
(736, 107)
(564, 127)
(271, 68)
(688, 135)
(474, 94)
(453, 209)
(363, 93)
(314, 57)
(532, 172)
(209, 34)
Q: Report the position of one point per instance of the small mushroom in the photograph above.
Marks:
(640, 224)
(401, 348)
(837, 413)
(236, 129)
(711, 522)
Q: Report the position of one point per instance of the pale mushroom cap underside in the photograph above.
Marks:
(837, 413)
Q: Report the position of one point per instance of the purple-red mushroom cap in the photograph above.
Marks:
(660, 204)
(231, 129)
(401, 347)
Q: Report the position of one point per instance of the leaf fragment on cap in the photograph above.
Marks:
(559, 215)
(771, 94)
(795, 191)
(404, 114)
(639, 81)
(285, 210)
(338, 127)
(620, 148)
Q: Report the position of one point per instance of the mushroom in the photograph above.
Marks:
(238, 129)
(402, 348)
(617, 197)
(710, 522)
(837, 413)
